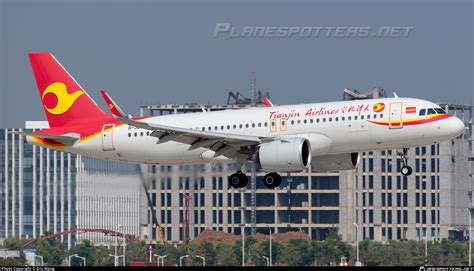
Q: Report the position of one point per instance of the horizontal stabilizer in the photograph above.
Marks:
(68, 139)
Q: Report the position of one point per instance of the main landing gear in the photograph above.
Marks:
(406, 170)
(240, 180)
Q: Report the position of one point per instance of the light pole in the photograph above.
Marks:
(116, 244)
(469, 230)
(267, 259)
(203, 259)
(160, 257)
(270, 256)
(181, 259)
(42, 260)
(77, 256)
(242, 231)
(358, 263)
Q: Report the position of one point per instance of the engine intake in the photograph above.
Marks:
(285, 155)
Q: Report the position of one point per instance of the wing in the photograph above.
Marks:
(225, 144)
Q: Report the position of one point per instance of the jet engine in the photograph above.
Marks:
(336, 162)
(285, 155)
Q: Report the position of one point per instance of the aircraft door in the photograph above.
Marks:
(395, 116)
(108, 137)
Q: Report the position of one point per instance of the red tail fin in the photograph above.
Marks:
(65, 102)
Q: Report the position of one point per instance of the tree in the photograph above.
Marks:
(298, 252)
(171, 252)
(84, 249)
(137, 251)
(51, 249)
(204, 249)
(12, 243)
(226, 255)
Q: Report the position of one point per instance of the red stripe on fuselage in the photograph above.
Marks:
(414, 122)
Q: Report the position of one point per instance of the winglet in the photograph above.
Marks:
(112, 105)
(267, 102)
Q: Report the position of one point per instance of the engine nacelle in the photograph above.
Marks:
(329, 163)
(285, 155)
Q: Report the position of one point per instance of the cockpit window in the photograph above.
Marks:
(431, 111)
(422, 112)
(440, 111)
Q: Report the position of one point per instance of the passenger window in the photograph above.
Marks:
(222, 127)
(317, 120)
(240, 126)
(355, 117)
(375, 116)
(247, 125)
(305, 121)
(299, 121)
(330, 119)
(135, 134)
(129, 134)
(228, 127)
(311, 120)
(292, 122)
(431, 111)
(362, 117)
(337, 119)
(349, 118)
(266, 124)
(259, 124)
(324, 119)
(253, 125)
(203, 128)
(234, 126)
(368, 116)
(422, 112)
(381, 116)
(209, 128)
(342, 118)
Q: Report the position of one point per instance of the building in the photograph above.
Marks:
(38, 185)
(46, 191)
(109, 197)
(382, 203)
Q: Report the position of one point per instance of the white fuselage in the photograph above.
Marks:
(331, 128)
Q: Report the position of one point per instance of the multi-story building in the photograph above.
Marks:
(37, 187)
(375, 197)
(48, 191)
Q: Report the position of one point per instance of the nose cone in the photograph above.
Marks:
(456, 126)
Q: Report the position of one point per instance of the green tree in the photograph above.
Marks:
(227, 255)
(12, 243)
(84, 249)
(171, 252)
(298, 252)
(52, 250)
(136, 251)
(204, 249)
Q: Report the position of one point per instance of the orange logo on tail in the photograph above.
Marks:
(379, 107)
(65, 100)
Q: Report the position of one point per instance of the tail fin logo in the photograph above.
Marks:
(64, 99)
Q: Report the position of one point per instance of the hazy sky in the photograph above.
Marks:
(165, 52)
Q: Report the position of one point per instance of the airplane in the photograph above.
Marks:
(321, 137)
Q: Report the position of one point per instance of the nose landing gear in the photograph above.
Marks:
(406, 170)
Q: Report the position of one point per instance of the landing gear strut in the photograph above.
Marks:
(406, 170)
(272, 180)
(238, 180)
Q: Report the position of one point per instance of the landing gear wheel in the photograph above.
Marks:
(238, 180)
(406, 170)
(272, 180)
